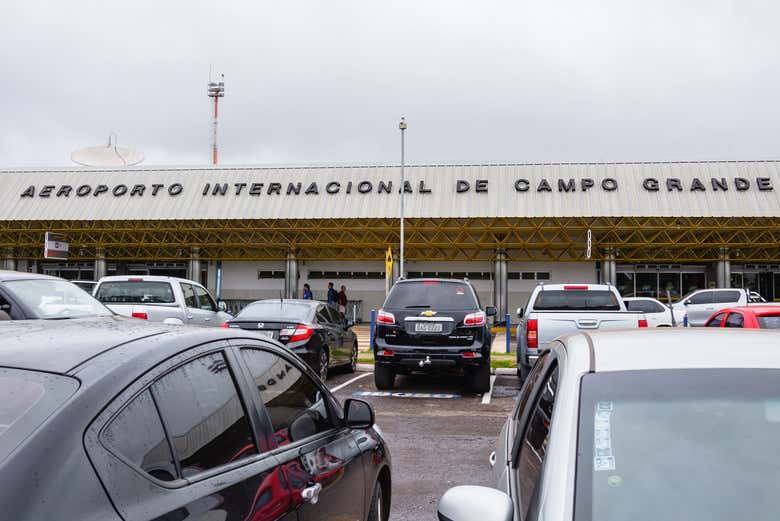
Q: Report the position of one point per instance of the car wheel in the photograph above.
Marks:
(522, 372)
(322, 370)
(377, 504)
(384, 377)
(480, 378)
(353, 361)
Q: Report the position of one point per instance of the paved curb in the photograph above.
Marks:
(366, 368)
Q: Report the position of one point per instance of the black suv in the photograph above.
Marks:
(429, 325)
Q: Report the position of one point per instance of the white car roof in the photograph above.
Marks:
(146, 278)
(676, 348)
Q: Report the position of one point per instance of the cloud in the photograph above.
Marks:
(327, 81)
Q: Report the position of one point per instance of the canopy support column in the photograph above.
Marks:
(291, 276)
(500, 284)
(723, 269)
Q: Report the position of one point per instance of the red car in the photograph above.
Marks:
(751, 317)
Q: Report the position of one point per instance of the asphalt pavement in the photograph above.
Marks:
(439, 434)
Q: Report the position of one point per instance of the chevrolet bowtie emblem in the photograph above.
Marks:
(428, 313)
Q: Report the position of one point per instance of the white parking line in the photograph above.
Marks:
(358, 377)
(487, 395)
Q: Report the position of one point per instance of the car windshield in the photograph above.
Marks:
(700, 443)
(576, 300)
(769, 322)
(430, 294)
(276, 310)
(55, 299)
(135, 292)
(28, 399)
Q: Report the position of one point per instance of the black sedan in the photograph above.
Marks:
(25, 296)
(316, 332)
(114, 419)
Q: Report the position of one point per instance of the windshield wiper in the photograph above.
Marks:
(58, 318)
(418, 306)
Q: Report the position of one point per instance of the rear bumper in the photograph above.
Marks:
(413, 358)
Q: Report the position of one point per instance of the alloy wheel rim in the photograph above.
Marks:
(354, 356)
(323, 365)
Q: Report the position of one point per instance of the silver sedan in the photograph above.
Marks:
(653, 424)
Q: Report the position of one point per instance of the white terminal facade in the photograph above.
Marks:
(263, 231)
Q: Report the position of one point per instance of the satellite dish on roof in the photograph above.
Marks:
(107, 155)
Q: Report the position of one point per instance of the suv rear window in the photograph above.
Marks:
(576, 300)
(432, 294)
(28, 399)
(135, 292)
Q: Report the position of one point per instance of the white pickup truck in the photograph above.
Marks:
(556, 309)
(160, 299)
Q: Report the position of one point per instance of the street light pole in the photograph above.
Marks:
(402, 126)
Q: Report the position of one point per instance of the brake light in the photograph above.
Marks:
(385, 352)
(471, 354)
(575, 287)
(532, 333)
(430, 282)
(475, 319)
(642, 322)
(301, 332)
(140, 314)
(225, 325)
(135, 279)
(383, 317)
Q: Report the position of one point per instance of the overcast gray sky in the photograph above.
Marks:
(313, 81)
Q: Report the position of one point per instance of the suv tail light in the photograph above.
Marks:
(140, 314)
(385, 352)
(642, 322)
(579, 287)
(532, 333)
(475, 319)
(384, 317)
(301, 332)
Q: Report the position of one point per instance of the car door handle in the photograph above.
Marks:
(312, 494)
(206, 318)
(189, 317)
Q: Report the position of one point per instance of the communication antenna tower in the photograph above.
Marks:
(216, 91)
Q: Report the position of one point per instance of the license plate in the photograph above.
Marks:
(267, 334)
(427, 327)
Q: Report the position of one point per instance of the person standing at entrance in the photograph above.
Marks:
(333, 297)
(307, 292)
(343, 299)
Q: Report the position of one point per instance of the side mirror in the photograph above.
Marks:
(222, 306)
(467, 503)
(520, 312)
(358, 414)
(686, 302)
(491, 311)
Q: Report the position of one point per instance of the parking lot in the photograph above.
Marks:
(439, 434)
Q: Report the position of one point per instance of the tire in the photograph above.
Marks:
(375, 512)
(480, 378)
(353, 361)
(322, 363)
(522, 372)
(384, 377)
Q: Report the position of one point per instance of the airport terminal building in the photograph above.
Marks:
(261, 232)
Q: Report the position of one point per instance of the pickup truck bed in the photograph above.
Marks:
(582, 307)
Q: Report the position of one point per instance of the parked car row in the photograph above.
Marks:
(155, 421)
